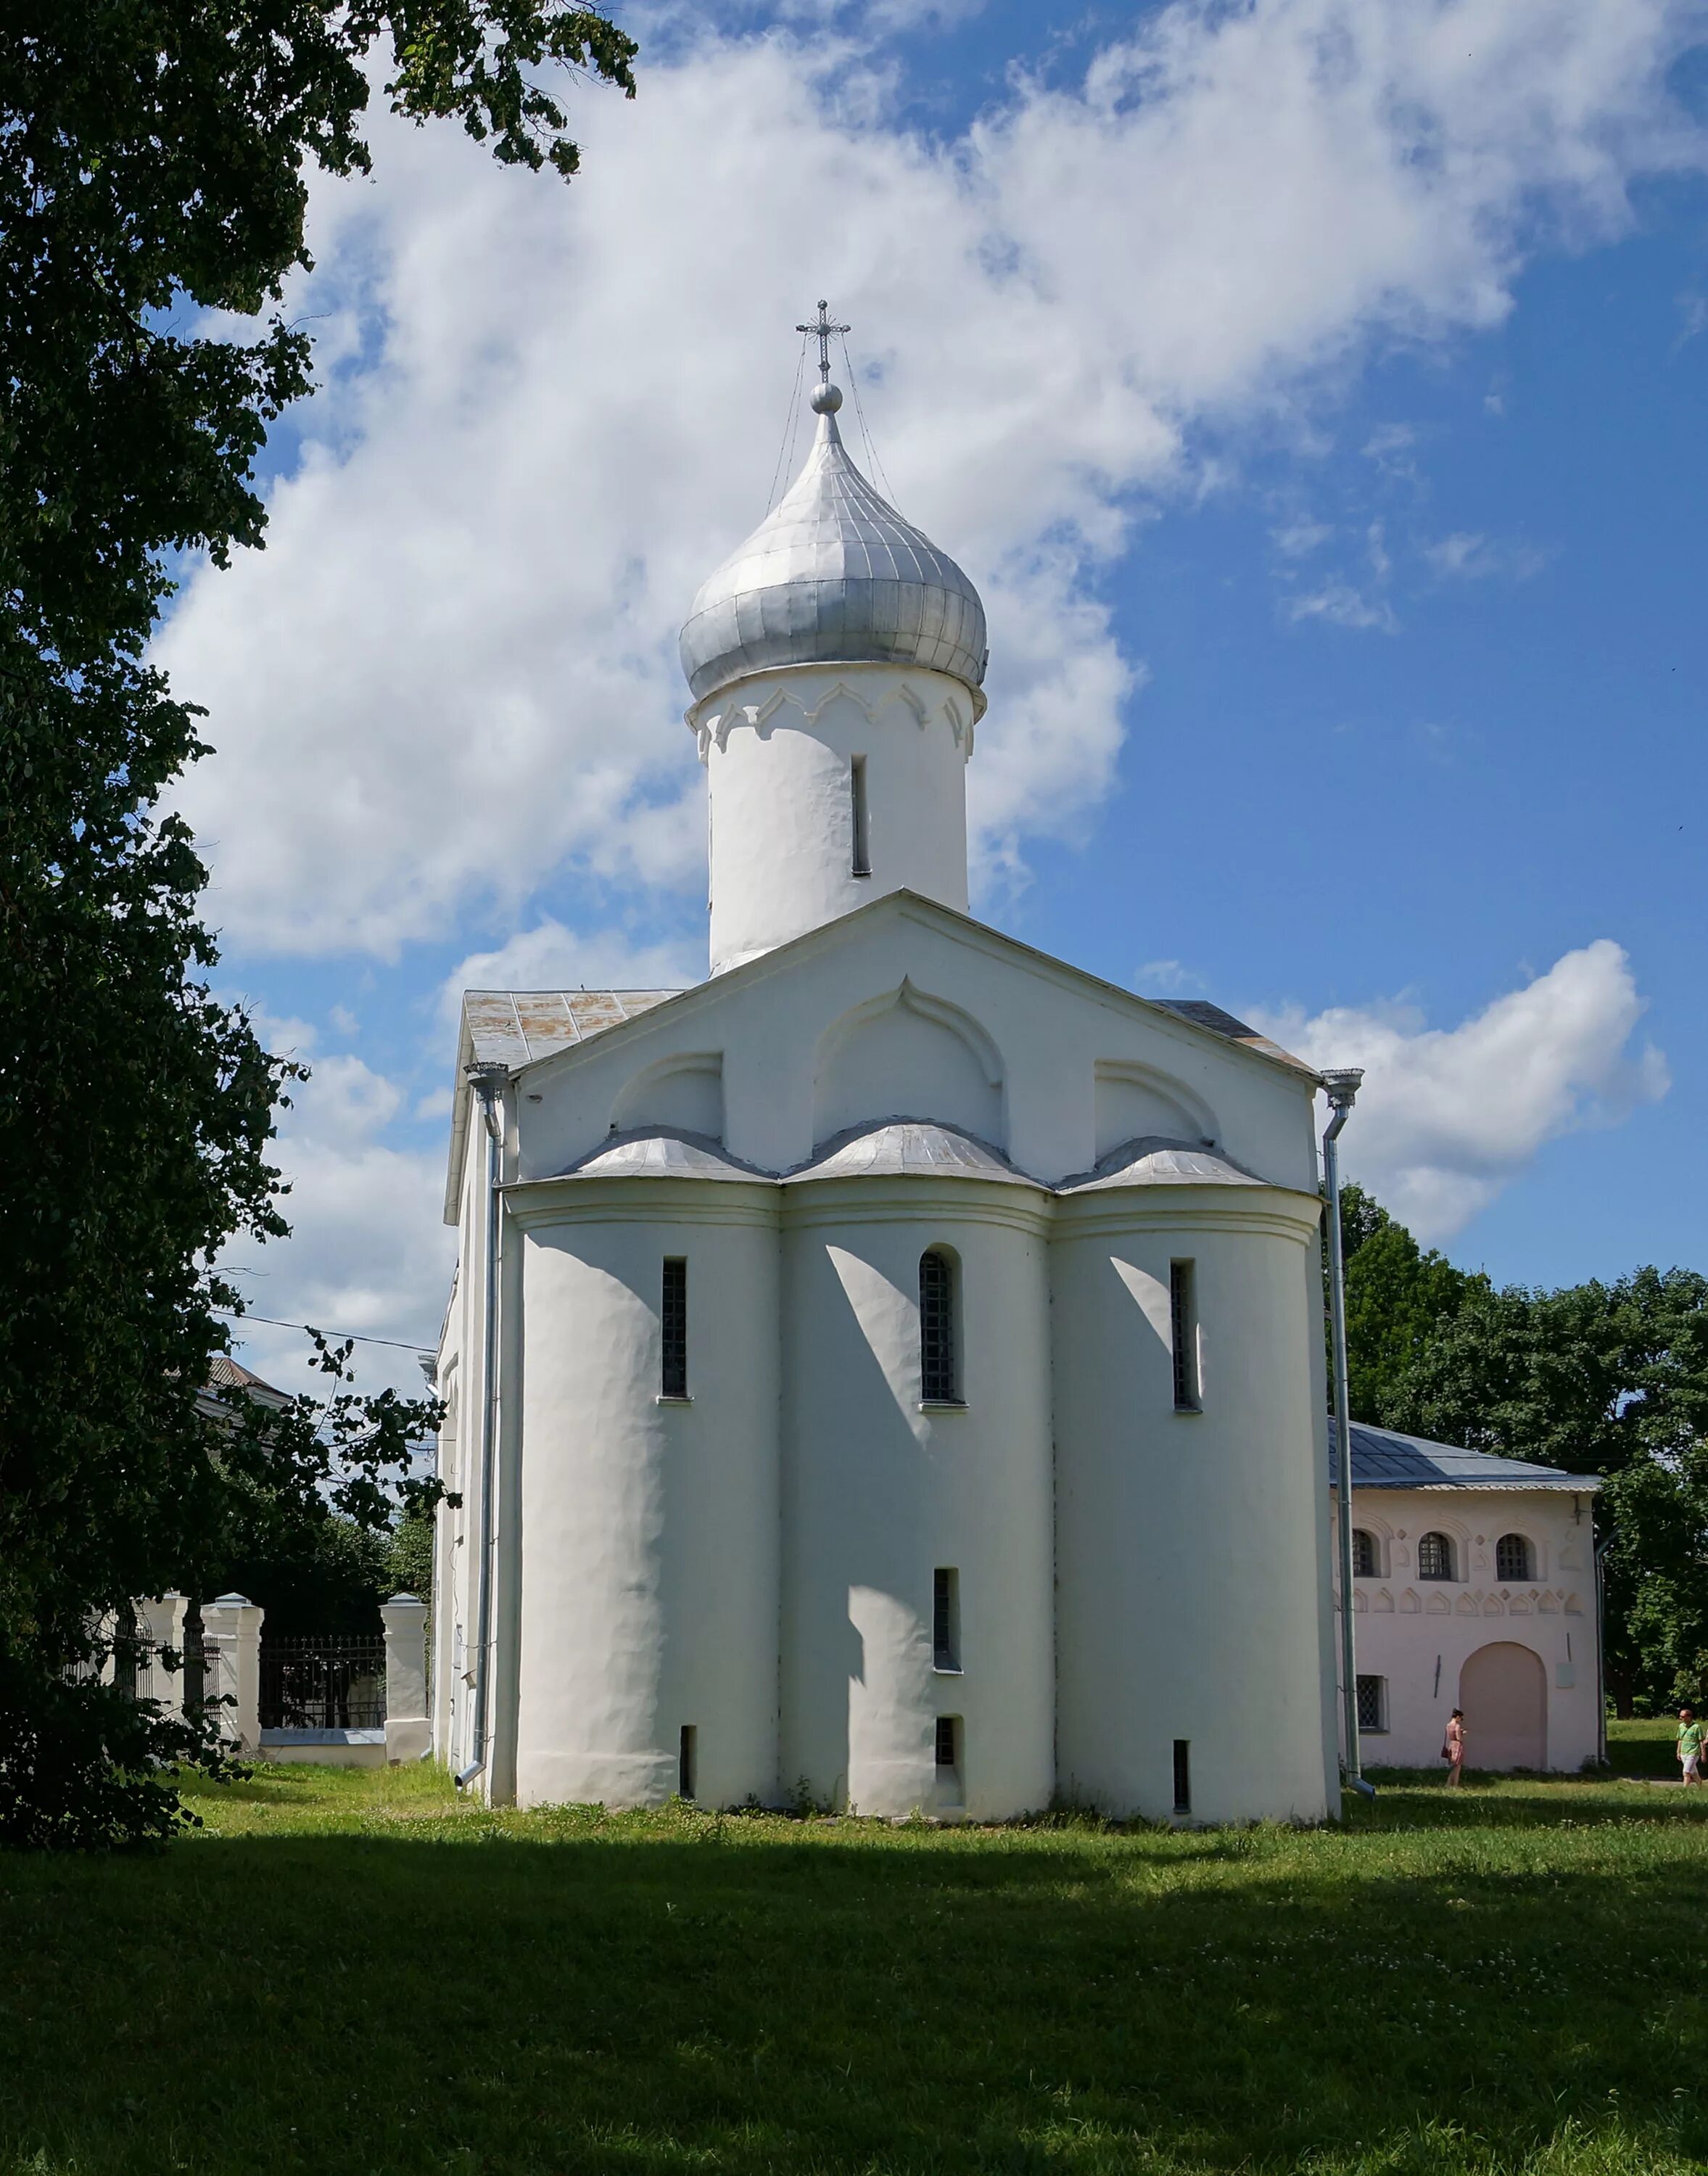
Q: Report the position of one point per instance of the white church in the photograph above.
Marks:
(890, 1372)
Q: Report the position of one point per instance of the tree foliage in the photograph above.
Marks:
(153, 163)
(1397, 1297)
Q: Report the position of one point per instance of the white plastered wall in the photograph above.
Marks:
(779, 749)
(878, 1494)
(648, 1596)
(1188, 1552)
(1418, 1635)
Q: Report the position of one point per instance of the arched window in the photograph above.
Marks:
(1366, 1563)
(939, 1369)
(1435, 1557)
(1512, 1558)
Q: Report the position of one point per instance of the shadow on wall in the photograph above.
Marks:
(1065, 2001)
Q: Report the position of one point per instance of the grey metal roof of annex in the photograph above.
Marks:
(1382, 1459)
(834, 575)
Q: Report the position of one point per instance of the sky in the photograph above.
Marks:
(1317, 391)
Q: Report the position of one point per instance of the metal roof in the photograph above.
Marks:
(513, 1027)
(661, 1152)
(225, 1375)
(1222, 1023)
(916, 1148)
(1153, 1160)
(1381, 1459)
(834, 575)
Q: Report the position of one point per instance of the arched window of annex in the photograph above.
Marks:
(1513, 1558)
(940, 1327)
(1435, 1556)
(1366, 1554)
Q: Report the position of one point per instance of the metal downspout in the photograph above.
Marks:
(1598, 1550)
(488, 1080)
(1343, 1087)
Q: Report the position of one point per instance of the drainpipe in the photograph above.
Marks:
(1343, 1087)
(487, 1079)
(1600, 1550)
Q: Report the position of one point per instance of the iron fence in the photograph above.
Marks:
(317, 1683)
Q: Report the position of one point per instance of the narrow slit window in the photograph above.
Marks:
(1183, 1316)
(687, 1761)
(1182, 1775)
(1373, 1704)
(939, 1383)
(948, 1741)
(673, 1318)
(945, 1619)
(861, 824)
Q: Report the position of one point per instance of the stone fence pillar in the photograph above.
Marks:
(231, 1634)
(159, 1619)
(408, 1730)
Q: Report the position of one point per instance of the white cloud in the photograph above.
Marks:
(1295, 540)
(1469, 555)
(368, 1252)
(551, 956)
(1342, 605)
(1168, 975)
(1447, 1117)
(550, 412)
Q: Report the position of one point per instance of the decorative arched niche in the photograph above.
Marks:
(684, 1092)
(1134, 1099)
(907, 1054)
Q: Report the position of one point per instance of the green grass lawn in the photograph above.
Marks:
(354, 1972)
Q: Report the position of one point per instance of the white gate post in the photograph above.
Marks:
(160, 1620)
(232, 1632)
(408, 1730)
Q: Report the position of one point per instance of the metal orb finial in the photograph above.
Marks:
(827, 399)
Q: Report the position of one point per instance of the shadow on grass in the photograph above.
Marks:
(747, 1998)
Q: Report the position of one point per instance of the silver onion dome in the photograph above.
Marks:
(834, 575)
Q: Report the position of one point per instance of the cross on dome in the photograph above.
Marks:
(823, 330)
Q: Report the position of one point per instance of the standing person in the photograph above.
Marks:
(1690, 1737)
(1453, 1748)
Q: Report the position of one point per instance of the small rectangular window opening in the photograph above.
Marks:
(673, 1320)
(861, 824)
(948, 1741)
(1182, 1775)
(1373, 1704)
(685, 1761)
(945, 1619)
(1183, 1318)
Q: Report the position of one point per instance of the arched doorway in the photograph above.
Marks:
(1502, 1689)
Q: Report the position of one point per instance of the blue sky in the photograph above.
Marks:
(1345, 581)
